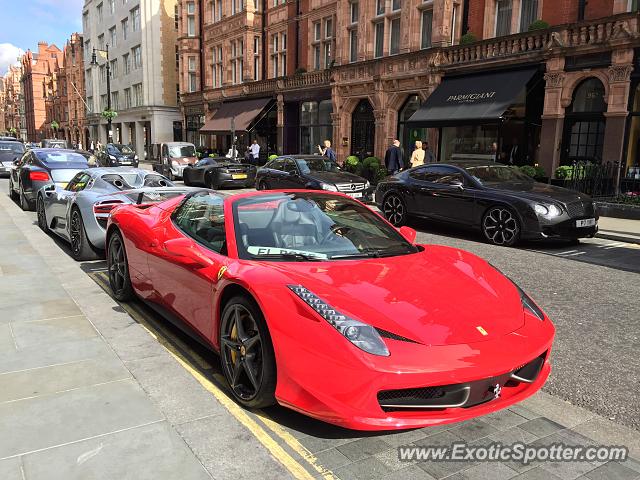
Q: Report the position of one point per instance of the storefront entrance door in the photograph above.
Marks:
(363, 130)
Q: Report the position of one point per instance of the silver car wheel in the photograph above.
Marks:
(394, 210)
(500, 226)
(42, 217)
(75, 235)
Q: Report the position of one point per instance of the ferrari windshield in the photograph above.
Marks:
(320, 164)
(497, 174)
(312, 227)
(13, 147)
(179, 151)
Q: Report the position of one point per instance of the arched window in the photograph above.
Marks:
(363, 129)
(585, 123)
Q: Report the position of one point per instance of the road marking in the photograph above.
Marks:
(240, 414)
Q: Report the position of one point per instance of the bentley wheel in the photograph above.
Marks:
(262, 185)
(246, 353)
(500, 226)
(118, 269)
(42, 217)
(394, 210)
(80, 247)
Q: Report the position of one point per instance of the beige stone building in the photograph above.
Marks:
(476, 78)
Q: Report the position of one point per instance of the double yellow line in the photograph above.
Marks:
(170, 343)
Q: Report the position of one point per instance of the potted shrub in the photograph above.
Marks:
(351, 164)
(370, 168)
(538, 25)
(467, 38)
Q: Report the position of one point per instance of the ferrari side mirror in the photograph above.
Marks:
(408, 233)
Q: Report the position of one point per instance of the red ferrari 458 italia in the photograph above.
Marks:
(317, 303)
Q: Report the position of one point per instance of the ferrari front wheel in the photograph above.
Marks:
(246, 354)
(118, 269)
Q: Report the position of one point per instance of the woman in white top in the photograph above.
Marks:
(417, 157)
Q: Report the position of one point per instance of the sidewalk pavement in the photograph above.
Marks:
(85, 391)
(619, 229)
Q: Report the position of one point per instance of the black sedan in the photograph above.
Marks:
(216, 173)
(506, 205)
(311, 172)
(116, 155)
(40, 167)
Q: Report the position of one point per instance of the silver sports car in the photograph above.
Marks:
(79, 211)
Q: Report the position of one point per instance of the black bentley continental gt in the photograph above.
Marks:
(219, 172)
(506, 205)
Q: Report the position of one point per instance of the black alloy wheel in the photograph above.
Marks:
(246, 354)
(42, 217)
(500, 226)
(118, 269)
(81, 249)
(211, 183)
(262, 185)
(12, 193)
(24, 202)
(394, 210)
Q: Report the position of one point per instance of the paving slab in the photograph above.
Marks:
(11, 469)
(152, 452)
(38, 332)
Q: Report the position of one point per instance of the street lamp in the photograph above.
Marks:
(94, 63)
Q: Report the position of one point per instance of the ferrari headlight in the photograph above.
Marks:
(363, 336)
(328, 186)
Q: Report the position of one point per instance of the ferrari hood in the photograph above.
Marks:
(442, 296)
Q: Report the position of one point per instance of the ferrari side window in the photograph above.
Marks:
(202, 218)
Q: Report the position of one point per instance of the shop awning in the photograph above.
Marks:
(244, 113)
(472, 99)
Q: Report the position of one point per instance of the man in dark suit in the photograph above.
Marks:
(394, 158)
(513, 153)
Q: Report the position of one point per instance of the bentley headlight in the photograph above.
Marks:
(554, 211)
(363, 336)
(328, 186)
(547, 210)
(541, 209)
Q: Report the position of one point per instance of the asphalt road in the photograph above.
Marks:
(591, 292)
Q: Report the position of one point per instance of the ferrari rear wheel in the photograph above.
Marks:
(118, 269)
(42, 217)
(500, 226)
(81, 249)
(246, 354)
(394, 210)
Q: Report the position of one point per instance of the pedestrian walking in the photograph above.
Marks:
(327, 151)
(394, 158)
(429, 156)
(255, 151)
(79, 145)
(417, 157)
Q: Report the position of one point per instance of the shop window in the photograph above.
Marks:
(408, 135)
(469, 142)
(315, 125)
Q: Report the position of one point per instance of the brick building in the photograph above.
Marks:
(65, 99)
(363, 72)
(35, 67)
(12, 103)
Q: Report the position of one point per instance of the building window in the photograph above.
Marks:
(380, 7)
(353, 45)
(137, 95)
(112, 37)
(114, 68)
(256, 58)
(100, 16)
(101, 42)
(396, 5)
(454, 24)
(503, 17)
(125, 28)
(528, 14)
(218, 10)
(137, 57)
(103, 102)
(237, 61)
(126, 61)
(191, 65)
(191, 19)
(176, 18)
(115, 101)
(279, 54)
(85, 21)
(354, 8)
(237, 6)
(394, 42)
(112, 6)
(135, 19)
(632, 6)
(216, 70)
(127, 98)
(103, 74)
(379, 39)
(427, 28)
(323, 43)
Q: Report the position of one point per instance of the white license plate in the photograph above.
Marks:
(355, 194)
(589, 222)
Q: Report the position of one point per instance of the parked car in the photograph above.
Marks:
(9, 139)
(311, 172)
(40, 167)
(79, 211)
(316, 302)
(171, 158)
(117, 155)
(9, 152)
(216, 173)
(31, 145)
(54, 143)
(506, 205)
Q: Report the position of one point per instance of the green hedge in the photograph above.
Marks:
(467, 38)
(352, 164)
(533, 172)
